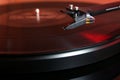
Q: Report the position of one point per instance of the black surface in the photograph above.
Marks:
(107, 69)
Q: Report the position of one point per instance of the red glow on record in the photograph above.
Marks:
(95, 37)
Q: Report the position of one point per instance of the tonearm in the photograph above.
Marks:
(81, 17)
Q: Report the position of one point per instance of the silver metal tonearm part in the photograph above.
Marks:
(80, 18)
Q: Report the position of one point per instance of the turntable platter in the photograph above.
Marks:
(32, 37)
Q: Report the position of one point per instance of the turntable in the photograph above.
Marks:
(37, 37)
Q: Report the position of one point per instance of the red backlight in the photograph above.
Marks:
(95, 37)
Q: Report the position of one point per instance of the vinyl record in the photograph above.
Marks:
(34, 32)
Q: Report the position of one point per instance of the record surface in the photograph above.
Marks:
(22, 34)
